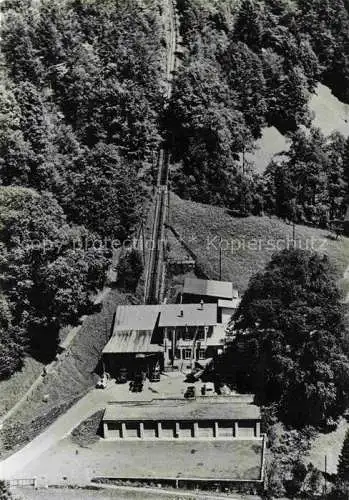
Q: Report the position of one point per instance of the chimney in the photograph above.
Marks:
(201, 305)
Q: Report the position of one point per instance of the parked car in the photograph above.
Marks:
(195, 374)
(154, 376)
(190, 393)
(136, 386)
(122, 376)
(102, 382)
(208, 389)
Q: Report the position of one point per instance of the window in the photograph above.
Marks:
(177, 354)
(202, 353)
(201, 334)
(186, 334)
(186, 353)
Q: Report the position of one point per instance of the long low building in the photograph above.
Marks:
(202, 418)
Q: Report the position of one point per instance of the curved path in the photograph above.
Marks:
(61, 428)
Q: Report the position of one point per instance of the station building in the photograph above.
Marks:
(172, 335)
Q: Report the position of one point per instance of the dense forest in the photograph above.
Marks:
(80, 98)
(252, 64)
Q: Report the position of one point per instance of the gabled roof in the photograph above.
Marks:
(181, 409)
(209, 288)
(193, 315)
(140, 317)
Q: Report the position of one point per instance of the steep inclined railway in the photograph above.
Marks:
(155, 268)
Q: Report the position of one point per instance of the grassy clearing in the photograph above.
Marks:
(330, 115)
(71, 377)
(247, 243)
(14, 388)
(328, 445)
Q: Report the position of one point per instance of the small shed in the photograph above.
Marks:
(195, 290)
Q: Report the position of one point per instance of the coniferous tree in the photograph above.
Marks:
(343, 464)
(130, 269)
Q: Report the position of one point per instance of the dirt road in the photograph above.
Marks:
(62, 427)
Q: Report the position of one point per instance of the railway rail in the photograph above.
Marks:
(154, 270)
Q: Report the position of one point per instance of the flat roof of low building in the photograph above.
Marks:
(218, 336)
(229, 304)
(188, 315)
(209, 288)
(140, 317)
(182, 409)
(132, 341)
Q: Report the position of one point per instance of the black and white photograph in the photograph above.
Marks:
(174, 249)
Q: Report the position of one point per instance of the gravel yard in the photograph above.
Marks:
(235, 459)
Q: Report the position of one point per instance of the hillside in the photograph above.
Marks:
(247, 243)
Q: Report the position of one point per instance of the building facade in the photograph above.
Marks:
(202, 418)
(172, 335)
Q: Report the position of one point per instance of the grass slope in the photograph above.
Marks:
(247, 243)
(12, 389)
(71, 377)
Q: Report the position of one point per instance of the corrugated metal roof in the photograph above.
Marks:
(136, 318)
(209, 288)
(133, 341)
(193, 315)
(181, 409)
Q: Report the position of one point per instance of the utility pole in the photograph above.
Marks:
(220, 258)
(143, 242)
(325, 475)
(243, 161)
(168, 206)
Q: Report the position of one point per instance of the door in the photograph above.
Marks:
(132, 429)
(185, 430)
(206, 429)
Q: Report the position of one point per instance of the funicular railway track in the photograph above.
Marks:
(154, 270)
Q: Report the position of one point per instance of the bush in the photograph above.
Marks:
(130, 270)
